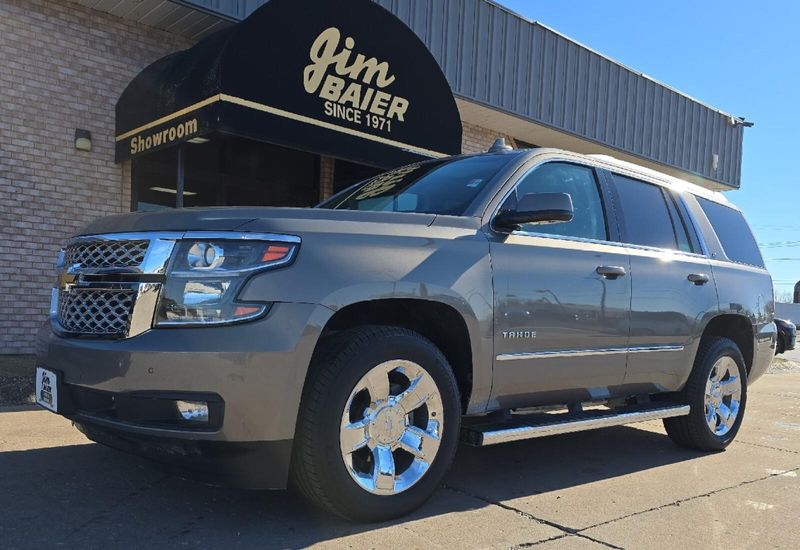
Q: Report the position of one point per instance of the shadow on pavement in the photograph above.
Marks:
(88, 495)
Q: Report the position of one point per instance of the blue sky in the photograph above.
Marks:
(741, 57)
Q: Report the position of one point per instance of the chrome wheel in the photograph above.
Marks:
(723, 396)
(391, 427)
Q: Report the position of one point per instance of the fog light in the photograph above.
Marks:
(193, 411)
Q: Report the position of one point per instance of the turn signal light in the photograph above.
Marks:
(246, 311)
(275, 252)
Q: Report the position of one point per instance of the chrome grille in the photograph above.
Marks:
(107, 253)
(102, 312)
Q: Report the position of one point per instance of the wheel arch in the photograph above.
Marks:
(738, 328)
(439, 322)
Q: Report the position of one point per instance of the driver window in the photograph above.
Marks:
(581, 184)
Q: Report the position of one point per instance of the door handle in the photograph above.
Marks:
(698, 278)
(611, 271)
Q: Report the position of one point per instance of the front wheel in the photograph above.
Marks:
(378, 425)
(716, 393)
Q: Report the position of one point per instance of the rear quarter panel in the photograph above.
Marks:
(747, 290)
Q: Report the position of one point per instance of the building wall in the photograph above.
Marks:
(62, 67)
(790, 312)
(476, 139)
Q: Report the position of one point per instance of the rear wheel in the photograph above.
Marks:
(717, 393)
(378, 425)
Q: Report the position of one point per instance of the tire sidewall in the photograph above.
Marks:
(721, 348)
(344, 491)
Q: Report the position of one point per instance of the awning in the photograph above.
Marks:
(345, 78)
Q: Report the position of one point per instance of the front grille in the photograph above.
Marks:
(107, 253)
(101, 312)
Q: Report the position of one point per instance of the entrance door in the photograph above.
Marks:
(561, 326)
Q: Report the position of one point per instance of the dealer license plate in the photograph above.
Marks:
(47, 389)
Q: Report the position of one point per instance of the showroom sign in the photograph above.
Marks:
(346, 79)
(145, 141)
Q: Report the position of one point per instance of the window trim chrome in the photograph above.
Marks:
(617, 244)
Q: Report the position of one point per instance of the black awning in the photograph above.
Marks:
(344, 78)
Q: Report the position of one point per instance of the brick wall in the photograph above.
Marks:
(477, 138)
(62, 66)
(327, 166)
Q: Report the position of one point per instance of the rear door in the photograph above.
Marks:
(673, 293)
(561, 328)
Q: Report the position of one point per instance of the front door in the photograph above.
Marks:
(562, 298)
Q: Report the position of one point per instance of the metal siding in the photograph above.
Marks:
(494, 57)
(649, 120)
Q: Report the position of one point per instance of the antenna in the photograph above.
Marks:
(500, 145)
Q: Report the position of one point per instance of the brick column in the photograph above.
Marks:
(326, 166)
(125, 187)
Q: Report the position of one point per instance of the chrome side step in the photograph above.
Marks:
(540, 425)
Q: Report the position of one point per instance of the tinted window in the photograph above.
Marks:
(679, 225)
(437, 187)
(579, 181)
(647, 218)
(733, 232)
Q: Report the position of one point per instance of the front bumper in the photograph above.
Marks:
(252, 372)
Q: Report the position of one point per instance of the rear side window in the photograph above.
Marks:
(733, 232)
(648, 221)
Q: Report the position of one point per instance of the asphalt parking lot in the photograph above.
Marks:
(624, 487)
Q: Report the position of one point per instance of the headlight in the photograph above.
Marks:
(205, 277)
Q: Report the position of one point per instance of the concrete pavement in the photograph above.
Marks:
(626, 487)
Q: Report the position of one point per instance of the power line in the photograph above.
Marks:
(776, 226)
(780, 244)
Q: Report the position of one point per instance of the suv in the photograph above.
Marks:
(349, 347)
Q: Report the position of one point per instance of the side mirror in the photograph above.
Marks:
(537, 208)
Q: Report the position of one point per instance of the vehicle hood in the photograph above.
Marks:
(271, 220)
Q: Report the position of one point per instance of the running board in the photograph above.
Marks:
(523, 426)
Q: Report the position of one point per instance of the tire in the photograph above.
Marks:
(345, 483)
(780, 345)
(694, 431)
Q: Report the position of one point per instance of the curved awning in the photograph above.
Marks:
(346, 79)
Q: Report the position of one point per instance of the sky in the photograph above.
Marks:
(742, 57)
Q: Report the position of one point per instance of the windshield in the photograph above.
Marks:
(446, 186)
